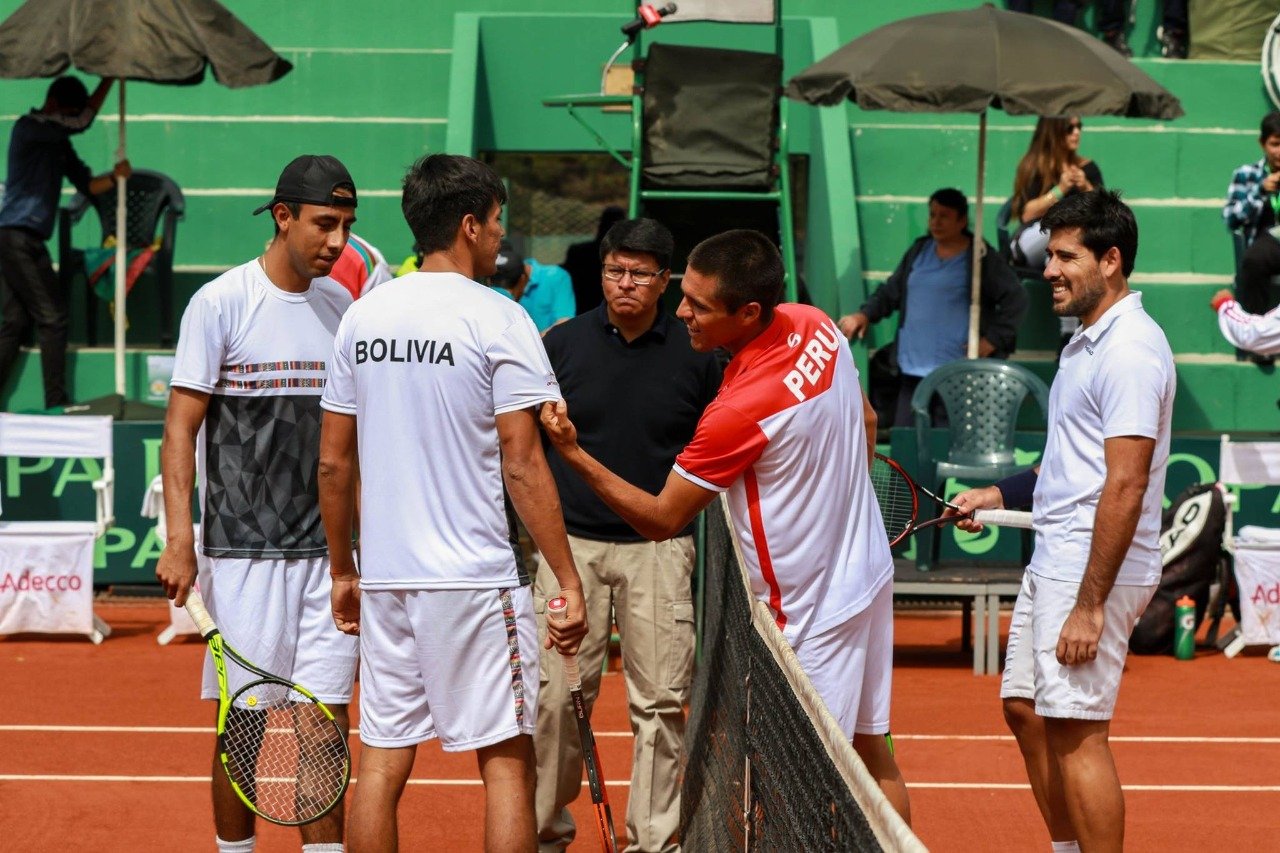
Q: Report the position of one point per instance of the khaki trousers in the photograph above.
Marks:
(645, 587)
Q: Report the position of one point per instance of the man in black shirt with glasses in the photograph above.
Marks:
(637, 390)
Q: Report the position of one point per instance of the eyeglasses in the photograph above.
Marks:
(1075, 125)
(640, 278)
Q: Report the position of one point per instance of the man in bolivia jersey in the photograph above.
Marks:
(786, 440)
(433, 385)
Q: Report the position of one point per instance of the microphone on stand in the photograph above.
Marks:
(647, 18)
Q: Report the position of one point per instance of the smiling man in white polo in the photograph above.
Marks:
(1096, 499)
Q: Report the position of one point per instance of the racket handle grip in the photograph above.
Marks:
(1003, 517)
(199, 614)
(556, 609)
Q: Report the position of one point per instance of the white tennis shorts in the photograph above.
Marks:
(458, 665)
(277, 615)
(851, 666)
(1085, 691)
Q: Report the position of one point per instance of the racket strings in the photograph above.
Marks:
(895, 495)
(287, 757)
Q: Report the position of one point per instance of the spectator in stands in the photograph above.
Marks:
(548, 294)
(582, 262)
(637, 390)
(1051, 168)
(1113, 17)
(931, 291)
(544, 290)
(1251, 212)
(40, 157)
(361, 267)
(511, 276)
(1064, 11)
(1257, 333)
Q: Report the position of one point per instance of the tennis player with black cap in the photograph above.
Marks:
(245, 414)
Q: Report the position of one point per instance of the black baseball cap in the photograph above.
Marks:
(510, 266)
(311, 179)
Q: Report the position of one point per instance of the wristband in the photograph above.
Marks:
(1056, 191)
(1017, 490)
(1219, 301)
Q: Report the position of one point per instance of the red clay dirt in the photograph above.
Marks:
(121, 791)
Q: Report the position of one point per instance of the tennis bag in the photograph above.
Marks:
(1191, 552)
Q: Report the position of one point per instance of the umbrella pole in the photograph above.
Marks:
(975, 294)
(122, 238)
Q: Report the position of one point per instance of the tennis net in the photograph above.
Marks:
(767, 767)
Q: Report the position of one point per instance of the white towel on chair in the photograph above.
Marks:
(1255, 536)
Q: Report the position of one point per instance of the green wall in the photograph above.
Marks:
(373, 89)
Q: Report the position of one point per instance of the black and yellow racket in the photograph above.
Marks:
(283, 751)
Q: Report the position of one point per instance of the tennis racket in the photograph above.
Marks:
(556, 609)
(899, 499)
(284, 753)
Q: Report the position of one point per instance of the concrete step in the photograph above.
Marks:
(1180, 307)
(1172, 238)
(1182, 310)
(1142, 160)
(1215, 392)
(407, 82)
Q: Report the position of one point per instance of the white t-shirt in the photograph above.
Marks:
(1115, 378)
(260, 353)
(785, 438)
(425, 362)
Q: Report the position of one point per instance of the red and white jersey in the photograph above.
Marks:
(786, 440)
(1258, 333)
(360, 268)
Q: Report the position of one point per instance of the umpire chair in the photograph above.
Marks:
(708, 125)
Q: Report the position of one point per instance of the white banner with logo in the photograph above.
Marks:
(1258, 577)
(46, 577)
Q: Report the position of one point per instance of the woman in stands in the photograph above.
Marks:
(930, 290)
(1051, 169)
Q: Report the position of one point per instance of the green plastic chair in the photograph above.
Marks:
(982, 398)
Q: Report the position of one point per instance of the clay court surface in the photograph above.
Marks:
(106, 748)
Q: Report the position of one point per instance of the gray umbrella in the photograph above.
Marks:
(157, 41)
(978, 59)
